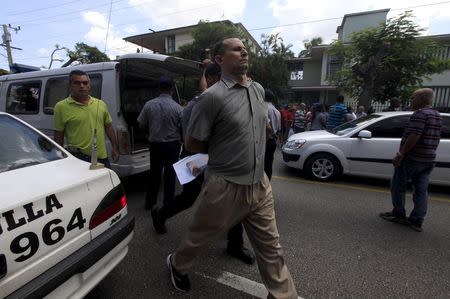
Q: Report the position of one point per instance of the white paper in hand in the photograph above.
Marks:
(185, 167)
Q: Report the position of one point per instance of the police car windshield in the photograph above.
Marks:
(351, 125)
(20, 146)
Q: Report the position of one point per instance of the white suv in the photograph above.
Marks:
(63, 227)
(364, 147)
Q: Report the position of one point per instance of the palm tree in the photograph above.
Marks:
(315, 41)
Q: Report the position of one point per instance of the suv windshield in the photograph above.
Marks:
(21, 146)
(351, 125)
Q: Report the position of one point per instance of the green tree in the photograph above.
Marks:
(308, 45)
(85, 54)
(269, 66)
(205, 36)
(387, 61)
(3, 72)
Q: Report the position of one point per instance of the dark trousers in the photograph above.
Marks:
(162, 157)
(186, 199)
(271, 146)
(87, 158)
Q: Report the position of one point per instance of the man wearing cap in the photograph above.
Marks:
(162, 117)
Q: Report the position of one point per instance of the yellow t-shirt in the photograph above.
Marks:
(78, 122)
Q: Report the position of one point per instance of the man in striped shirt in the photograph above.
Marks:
(336, 114)
(415, 160)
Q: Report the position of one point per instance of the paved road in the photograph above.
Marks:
(335, 246)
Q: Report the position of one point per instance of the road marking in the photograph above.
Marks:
(434, 198)
(240, 283)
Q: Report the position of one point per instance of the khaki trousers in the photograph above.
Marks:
(221, 205)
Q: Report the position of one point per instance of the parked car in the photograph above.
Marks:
(63, 227)
(125, 85)
(363, 147)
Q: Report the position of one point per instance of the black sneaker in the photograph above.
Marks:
(389, 216)
(179, 282)
(415, 225)
(158, 223)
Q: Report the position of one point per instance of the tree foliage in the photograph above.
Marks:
(308, 45)
(205, 36)
(84, 54)
(269, 66)
(384, 62)
(3, 72)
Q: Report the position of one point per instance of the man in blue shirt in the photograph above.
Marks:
(336, 114)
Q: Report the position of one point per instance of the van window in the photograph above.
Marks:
(57, 89)
(23, 98)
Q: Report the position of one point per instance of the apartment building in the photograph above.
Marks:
(309, 74)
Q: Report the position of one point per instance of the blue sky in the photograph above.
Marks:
(46, 23)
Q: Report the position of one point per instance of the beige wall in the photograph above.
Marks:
(361, 22)
(311, 74)
(183, 39)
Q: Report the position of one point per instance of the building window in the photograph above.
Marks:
(170, 44)
(297, 75)
(296, 70)
(334, 64)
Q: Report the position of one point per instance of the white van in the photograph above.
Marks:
(125, 85)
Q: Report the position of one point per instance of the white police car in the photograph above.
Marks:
(63, 227)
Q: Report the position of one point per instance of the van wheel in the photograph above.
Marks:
(323, 167)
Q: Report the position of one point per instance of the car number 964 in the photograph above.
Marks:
(27, 244)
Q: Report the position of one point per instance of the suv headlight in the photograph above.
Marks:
(294, 144)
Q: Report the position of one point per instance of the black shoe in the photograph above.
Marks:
(392, 217)
(179, 282)
(158, 223)
(415, 225)
(242, 254)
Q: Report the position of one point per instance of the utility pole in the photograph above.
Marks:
(7, 41)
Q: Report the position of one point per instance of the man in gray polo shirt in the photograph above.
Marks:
(229, 123)
(162, 117)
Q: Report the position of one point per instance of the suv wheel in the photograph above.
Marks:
(322, 167)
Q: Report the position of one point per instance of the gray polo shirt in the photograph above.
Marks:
(232, 119)
(162, 115)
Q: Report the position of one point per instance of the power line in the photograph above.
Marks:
(253, 29)
(39, 9)
(340, 18)
(107, 30)
(65, 14)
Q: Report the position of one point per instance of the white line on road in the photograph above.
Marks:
(242, 284)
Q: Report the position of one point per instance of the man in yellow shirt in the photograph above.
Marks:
(78, 116)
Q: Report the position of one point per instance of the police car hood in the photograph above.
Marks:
(27, 184)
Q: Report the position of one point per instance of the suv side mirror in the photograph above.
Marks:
(364, 134)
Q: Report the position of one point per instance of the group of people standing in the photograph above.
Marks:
(297, 118)
(235, 122)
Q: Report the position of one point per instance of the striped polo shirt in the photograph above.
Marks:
(336, 115)
(426, 122)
